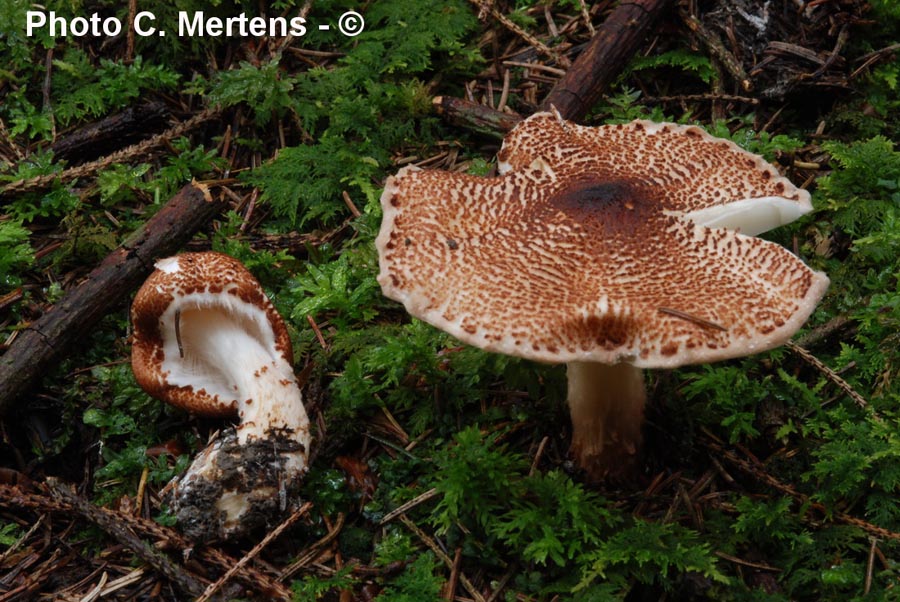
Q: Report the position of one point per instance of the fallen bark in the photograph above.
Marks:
(474, 116)
(617, 39)
(111, 133)
(37, 348)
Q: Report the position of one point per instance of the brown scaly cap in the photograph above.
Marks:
(189, 282)
(581, 251)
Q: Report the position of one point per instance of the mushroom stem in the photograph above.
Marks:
(269, 400)
(250, 473)
(606, 403)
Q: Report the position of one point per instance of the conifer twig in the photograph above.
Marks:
(757, 471)
(473, 591)
(404, 508)
(485, 8)
(214, 587)
(108, 521)
(830, 374)
(313, 551)
(165, 537)
(122, 156)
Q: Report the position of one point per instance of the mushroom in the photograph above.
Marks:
(208, 340)
(611, 249)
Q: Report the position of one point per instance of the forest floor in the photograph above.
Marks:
(438, 471)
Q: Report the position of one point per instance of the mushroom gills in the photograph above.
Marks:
(749, 216)
(229, 355)
(606, 403)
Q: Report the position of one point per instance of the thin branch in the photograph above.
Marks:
(484, 8)
(123, 156)
(404, 508)
(214, 587)
(428, 541)
(187, 582)
(828, 373)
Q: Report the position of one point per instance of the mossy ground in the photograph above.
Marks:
(774, 477)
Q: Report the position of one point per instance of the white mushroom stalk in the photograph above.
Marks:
(610, 249)
(208, 340)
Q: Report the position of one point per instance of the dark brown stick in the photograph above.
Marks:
(616, 40)
(111, 133)
(107, 520)
(476, 117)
(37, 348)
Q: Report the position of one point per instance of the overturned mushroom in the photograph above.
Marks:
(609, 248)
(207, 339)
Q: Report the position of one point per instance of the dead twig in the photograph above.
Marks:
(428, 541)
(214, 587)
(703, 97)
(537, 456)
(350, 204)
(165, 538)
(753, 565)
(123, 156)
(6, 554)
(313, 551)
(755, 469)
(717, 48)
(404, 508)
(317, 331)
(868, 60)
(828, 373)
(870, 567)
(108, 521)
(485, 8)
(842, 38)
(450, 586)
(537, 66)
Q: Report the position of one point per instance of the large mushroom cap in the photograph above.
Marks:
(201, 290)
(601, 244)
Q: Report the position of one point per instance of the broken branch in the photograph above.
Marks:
(616, 40)
(38, 347)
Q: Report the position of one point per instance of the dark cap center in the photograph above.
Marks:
(617, 205)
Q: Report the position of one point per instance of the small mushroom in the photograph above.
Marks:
(208, 340)
(609, 248)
